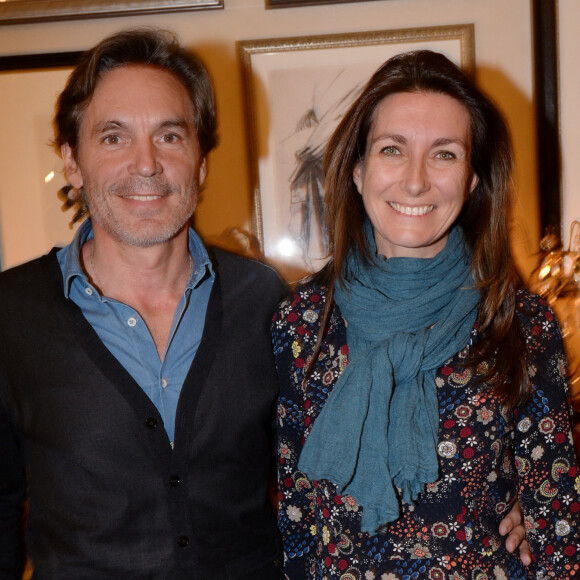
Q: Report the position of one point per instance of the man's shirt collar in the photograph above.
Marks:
(70, 262)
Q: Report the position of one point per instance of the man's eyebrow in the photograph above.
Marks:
(178, 123)
(113, 124)
(109, 125)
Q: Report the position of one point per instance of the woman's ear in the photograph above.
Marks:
(72, 171)
(474, 182)
(357, 176)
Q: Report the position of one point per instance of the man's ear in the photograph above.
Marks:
(72, 171)
(202, 171)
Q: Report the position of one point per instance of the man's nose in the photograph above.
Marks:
(146, 161)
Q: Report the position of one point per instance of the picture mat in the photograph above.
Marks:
(31, 218)
(290, 83)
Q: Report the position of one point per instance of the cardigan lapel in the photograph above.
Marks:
(89, 341)
(196, 378)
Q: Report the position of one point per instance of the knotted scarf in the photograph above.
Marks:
(378, 430)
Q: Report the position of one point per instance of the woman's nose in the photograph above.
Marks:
(415, 179)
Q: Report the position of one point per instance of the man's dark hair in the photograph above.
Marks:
(140, 46)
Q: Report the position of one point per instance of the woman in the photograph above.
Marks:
(422, 393)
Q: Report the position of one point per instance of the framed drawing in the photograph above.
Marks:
(31, 218)
(296, 91)
(25, 11)
(297, 3)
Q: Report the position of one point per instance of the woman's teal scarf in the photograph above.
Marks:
(379, 427)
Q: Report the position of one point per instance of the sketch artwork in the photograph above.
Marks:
(300, 154)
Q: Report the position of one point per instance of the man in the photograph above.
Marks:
(137, 383)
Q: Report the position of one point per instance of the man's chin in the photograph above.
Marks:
(146, 237)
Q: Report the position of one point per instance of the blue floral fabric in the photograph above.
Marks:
(488, 455)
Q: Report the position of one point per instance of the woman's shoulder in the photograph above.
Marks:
(535, 315)
(304, 296)
(300, 314)
(544, 345)
(531, 304)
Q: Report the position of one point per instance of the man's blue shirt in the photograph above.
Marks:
(126, 335)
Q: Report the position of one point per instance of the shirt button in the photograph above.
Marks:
(174, 481)
(163, 383)
(88, 291)
(132, 321)
(151, 422)
(183, 541)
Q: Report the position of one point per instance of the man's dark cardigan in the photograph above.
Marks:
(108, 496)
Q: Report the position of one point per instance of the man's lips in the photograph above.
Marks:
(142, 197)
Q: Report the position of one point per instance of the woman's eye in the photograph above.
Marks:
(390, 150)
(445, 155)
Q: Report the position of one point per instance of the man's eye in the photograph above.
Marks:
(111, 139)
(170, 138)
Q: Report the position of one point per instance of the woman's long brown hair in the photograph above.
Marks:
(484, 218)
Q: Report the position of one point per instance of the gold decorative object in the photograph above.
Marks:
(559, 271)
(557, 279)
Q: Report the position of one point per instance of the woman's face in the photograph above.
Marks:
(415, 176)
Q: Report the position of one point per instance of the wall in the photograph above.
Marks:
(569, 308)
(569, 17)
(503, 56)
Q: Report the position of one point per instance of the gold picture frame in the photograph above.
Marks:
(295, 91)
(27, 11)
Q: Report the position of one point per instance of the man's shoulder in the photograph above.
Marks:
(29, 291)
(247, 285)
(237, 267)
(45, 268)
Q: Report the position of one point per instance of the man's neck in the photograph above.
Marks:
(151, 280)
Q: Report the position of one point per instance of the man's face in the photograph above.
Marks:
(138, 157)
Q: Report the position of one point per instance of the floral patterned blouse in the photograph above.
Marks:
(488, 455)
